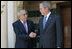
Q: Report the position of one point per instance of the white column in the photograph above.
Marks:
(10, 27)
(4, 35)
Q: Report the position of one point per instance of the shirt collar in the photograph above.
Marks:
(22, 21)
(48, 15)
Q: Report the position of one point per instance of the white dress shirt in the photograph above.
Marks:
(48, 16)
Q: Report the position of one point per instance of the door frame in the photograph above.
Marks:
(62, 4)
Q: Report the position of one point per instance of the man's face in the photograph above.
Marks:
(42, 9)
(23, 16)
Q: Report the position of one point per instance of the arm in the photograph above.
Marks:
(59, 32)
(38, 29)
(18, 33)
(33, 32)
(38, 32)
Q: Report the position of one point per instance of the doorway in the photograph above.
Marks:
(64, 10)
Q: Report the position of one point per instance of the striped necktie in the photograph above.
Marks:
(25, 26)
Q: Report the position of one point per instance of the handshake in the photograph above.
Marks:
(32, 35)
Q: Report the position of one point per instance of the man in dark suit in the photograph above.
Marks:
(25, 38)
(50, 28)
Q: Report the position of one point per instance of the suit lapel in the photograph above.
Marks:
(28, 24)
(48, 22)
(21, 26)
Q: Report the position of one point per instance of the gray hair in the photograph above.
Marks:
(19, 12)
(46, 4)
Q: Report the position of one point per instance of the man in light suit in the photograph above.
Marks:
(24, 28)
(50, 28)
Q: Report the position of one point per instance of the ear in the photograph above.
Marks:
(18, 16)
(46, 9)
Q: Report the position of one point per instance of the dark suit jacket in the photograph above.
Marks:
(52, 35)
(22, 38)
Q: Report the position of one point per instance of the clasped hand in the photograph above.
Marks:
(32, 35)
